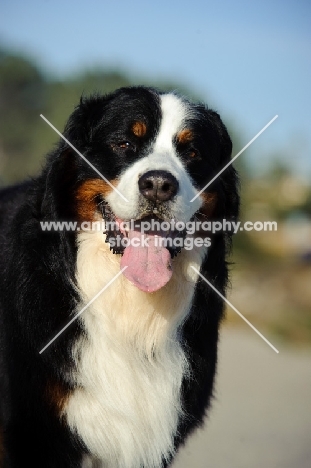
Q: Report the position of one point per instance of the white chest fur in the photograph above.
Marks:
(130, 363)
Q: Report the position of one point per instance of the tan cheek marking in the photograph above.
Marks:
(86, 195)
(209, 203)
(57, 396)
(139, 129)
(185, 136)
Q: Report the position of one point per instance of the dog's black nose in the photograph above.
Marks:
(158, 185)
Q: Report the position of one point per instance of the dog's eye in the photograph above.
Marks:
(193, 153)
(190, 154)
(124, 148)
(125, 145)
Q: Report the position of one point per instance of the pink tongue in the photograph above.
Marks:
(148, 268)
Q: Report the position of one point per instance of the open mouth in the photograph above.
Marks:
(147, 246)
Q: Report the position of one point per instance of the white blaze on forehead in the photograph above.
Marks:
(174, 114)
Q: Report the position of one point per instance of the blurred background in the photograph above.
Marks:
(249, 61)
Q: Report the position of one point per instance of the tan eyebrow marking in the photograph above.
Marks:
(139, 129)
(185, 136)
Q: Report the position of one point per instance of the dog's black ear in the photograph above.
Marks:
(59, 178)
(86, 120)
(64, 165)
(228, 178)
(223, 142)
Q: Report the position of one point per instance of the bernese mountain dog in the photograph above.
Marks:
(108, 335)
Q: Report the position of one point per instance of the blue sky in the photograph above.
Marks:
(249, 60)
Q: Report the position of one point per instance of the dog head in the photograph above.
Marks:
(144, 157)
